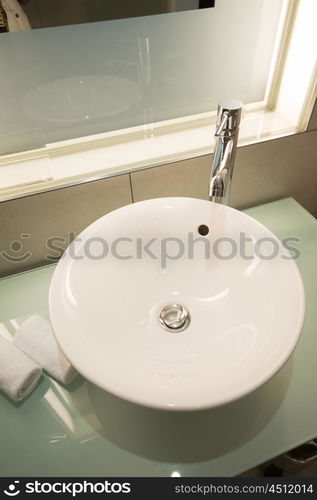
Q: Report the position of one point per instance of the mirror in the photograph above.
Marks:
(17, 15)
(63, 84)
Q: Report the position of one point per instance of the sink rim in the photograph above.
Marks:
(225, 400)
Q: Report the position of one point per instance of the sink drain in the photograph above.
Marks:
(174, 318)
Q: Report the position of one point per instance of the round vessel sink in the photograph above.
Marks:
(177, 303)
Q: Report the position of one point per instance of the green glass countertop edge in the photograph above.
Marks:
(56, 431)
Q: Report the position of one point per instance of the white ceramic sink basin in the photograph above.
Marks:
(244, 304)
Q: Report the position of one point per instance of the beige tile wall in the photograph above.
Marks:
(263, 172)
(56, 213)
(276, 169)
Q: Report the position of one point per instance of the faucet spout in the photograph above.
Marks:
(227, 131)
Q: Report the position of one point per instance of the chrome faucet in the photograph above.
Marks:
(227, 131)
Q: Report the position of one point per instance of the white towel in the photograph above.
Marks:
(18, 373)
(36, 339)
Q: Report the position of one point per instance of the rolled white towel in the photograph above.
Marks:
(36, 339)
(19, 374)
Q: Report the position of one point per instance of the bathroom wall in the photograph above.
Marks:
(265, 171)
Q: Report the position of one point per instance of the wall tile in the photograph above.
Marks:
(265, 171)
(277, 169)
(56, 213)
(184, 178)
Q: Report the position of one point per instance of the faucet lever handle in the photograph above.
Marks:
(222, 124)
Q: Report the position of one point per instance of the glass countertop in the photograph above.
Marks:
(82, 431)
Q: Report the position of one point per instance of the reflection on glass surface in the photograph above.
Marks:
(76, 99)
(48, 13)
(72, 81)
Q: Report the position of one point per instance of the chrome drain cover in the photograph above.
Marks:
(174, 318)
